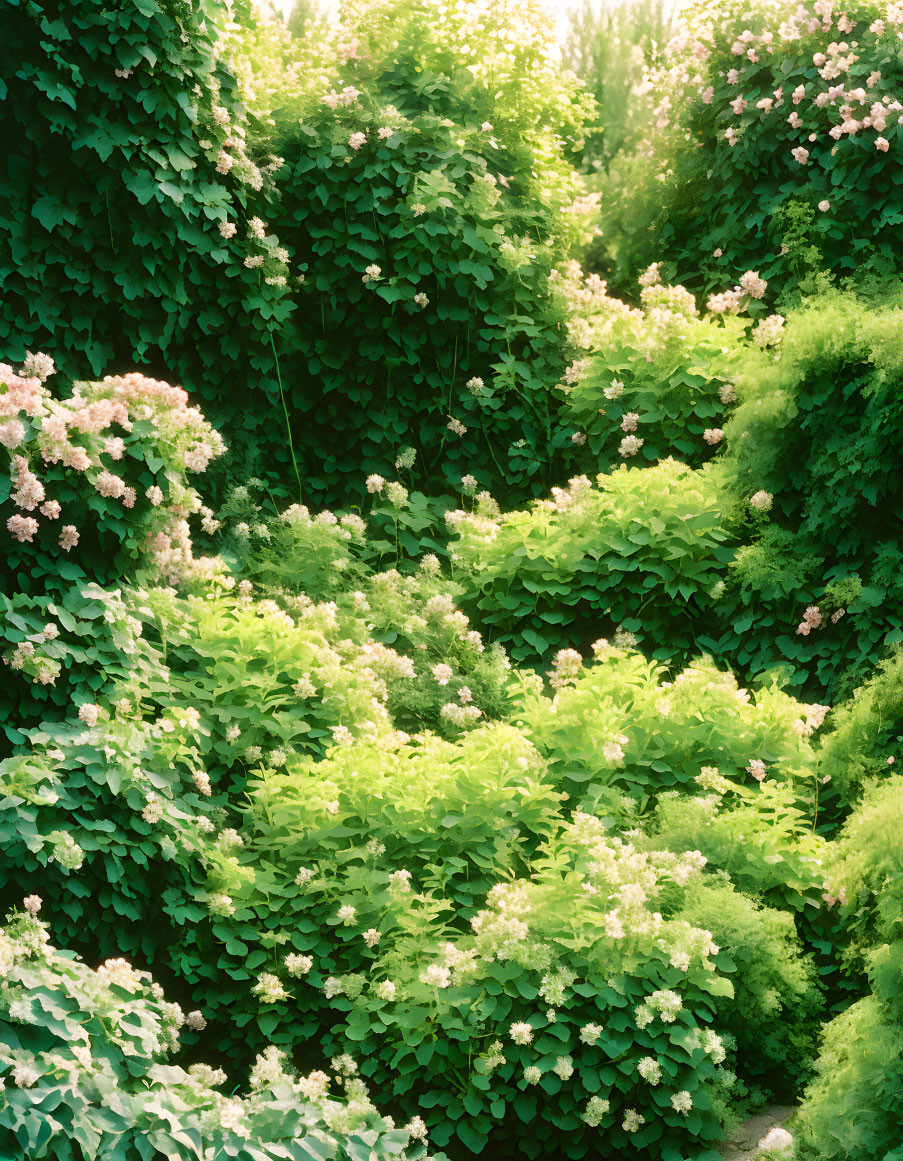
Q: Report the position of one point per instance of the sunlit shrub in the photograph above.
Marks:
(773, 1013)
(617, 730)
(389, 932)
(661, 374)
(854, 1106)
(639, 551)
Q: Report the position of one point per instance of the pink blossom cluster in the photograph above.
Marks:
(848, 95)
(812, 619)
(76, 433)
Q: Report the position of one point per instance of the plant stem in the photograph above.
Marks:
(288, 426)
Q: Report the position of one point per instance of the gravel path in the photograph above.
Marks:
(742, 1146)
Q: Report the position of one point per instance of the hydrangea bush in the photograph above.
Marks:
(96, 489)
(779, 142)
(85, 1072)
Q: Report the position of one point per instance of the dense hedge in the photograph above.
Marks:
(149, 217)
(126, 160)
(780, 557)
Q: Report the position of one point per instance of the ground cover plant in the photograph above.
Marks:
(462, 717)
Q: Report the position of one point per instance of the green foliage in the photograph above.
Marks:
(781, 559)
(853, 1107)
(736, 191)
(127, 154)
(616, 731)
(866, 733)
(180, 265)
(662, 374)
(592, 910)
(772, 1015)
(760, 837)
(427, 193)
(394, 889)
(377, 861)
(639, 551)
(812, 438)
(84, 1061)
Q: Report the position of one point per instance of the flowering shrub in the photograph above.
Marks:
(95, 488)
(426, 220)
(375, 864)
(638, 551)
(375, 879)
(656, 381)
(776, 123)
(617, 733)
(83, 1065)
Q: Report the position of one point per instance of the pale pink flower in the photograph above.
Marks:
(754, 286)
(28, 492)
(629, 446)
(109, 485)
(356, 140)
(23, 528)
(89, 714)
(198, 457)
(12, 433)
(882, 144)
(68, 537)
